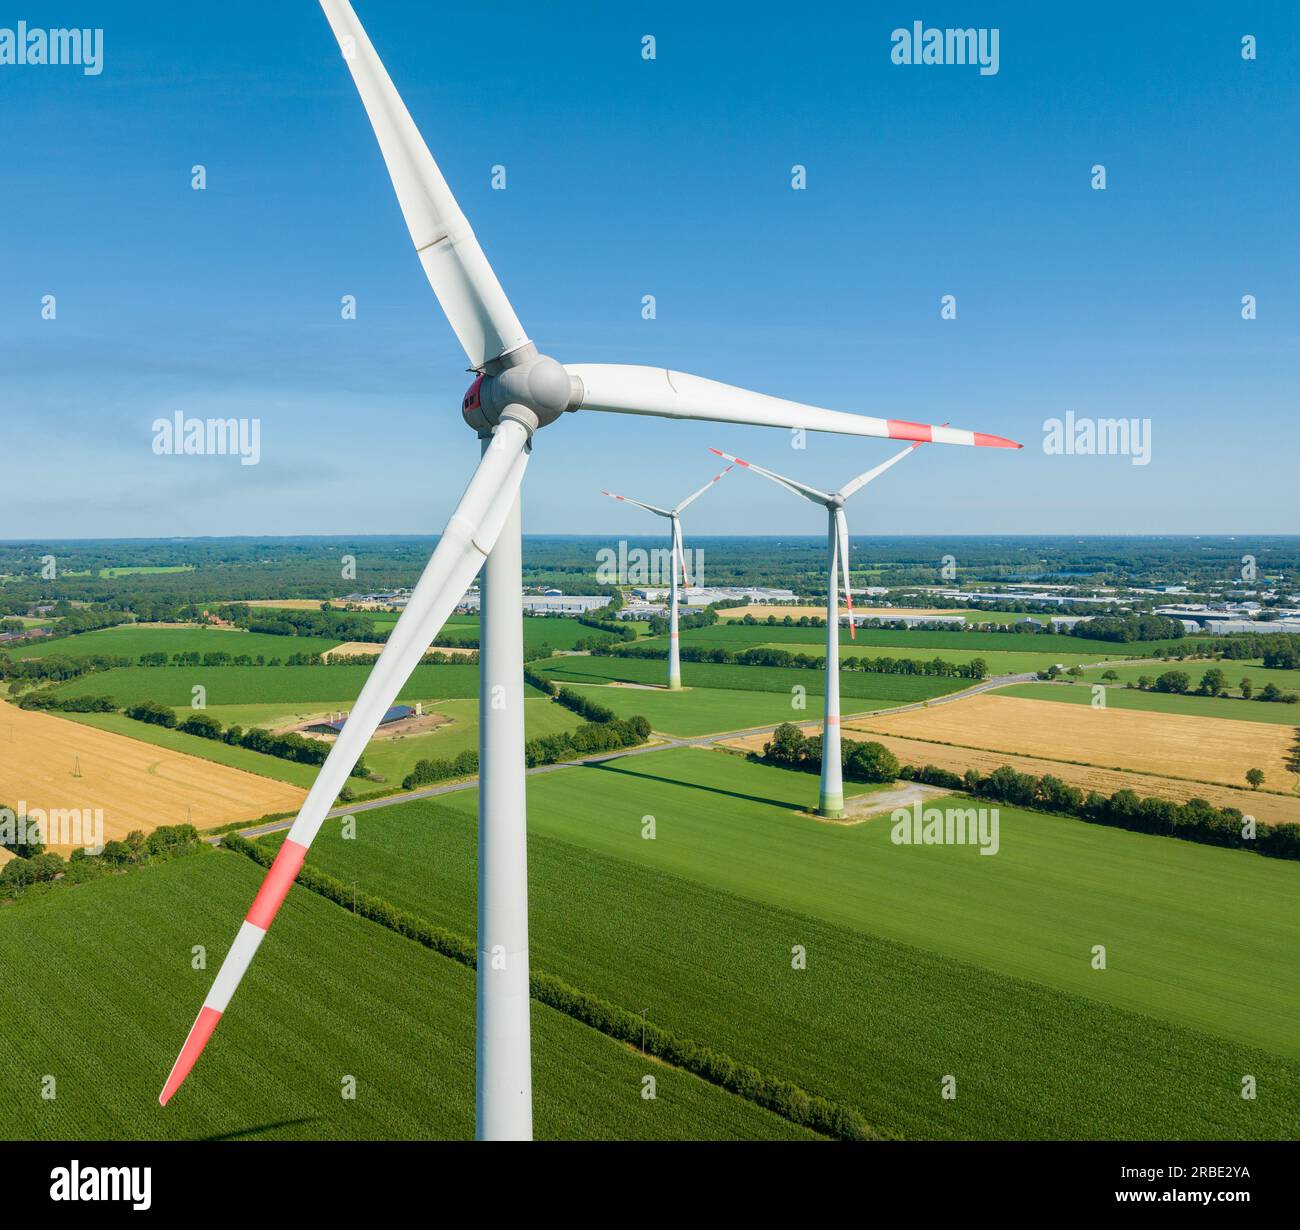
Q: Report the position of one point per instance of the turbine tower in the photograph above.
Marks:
(830, 797)
(516, 392)
(676, 562)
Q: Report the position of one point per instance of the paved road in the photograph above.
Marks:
(664, 742)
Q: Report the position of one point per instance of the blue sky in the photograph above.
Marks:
(670, 178)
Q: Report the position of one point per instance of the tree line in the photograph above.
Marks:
(760, 655)
(33, 864)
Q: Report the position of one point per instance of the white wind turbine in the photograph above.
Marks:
(517, 391)
(830, 798)
(676, 562)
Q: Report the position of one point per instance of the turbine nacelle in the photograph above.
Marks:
(526, 386)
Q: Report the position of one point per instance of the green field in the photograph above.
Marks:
(909, 643)
(99, 994)
(1159, 702)
(861, 685)
(1287, 681)
(141, 569)
(130, 641)
(1015, 662)
(319, 686)
(395, 758)
(921, 961)
(707, 711)
(557, 631)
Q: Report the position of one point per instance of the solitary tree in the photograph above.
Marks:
(1214, 682)
(1255, 777)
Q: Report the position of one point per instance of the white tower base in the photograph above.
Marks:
(503, 1090)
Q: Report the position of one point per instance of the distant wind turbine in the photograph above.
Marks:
(830, 801)
(676, 563)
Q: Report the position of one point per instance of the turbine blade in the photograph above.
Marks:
(842, 536)
(690, 499)
(863, 479)
(622, 389)
(627, 499)
(790, 484)
(464, 545)
(678, 552)
(467, 289)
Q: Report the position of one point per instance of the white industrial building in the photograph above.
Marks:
(699, 595)
(546, 604)
(643, 610)
(909, 621)
(1041, 598)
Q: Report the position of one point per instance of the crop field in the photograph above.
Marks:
(99, 993)
(291, 604)
(1201, 749)
(51, 763)
(1159, 702)
(557, 631)
(394, 758)
(910, 643)
(319, 687)
(145, 570)
(131, 640)
(970, 615)
(213, 750)
(1259, 676)
(895, 689)
(920, 961)
(390, 758)
(1271, 808)
(706, 711)
(1014, 662)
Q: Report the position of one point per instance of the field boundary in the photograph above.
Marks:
(772, 1093)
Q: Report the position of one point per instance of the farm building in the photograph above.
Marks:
(397, 713)
(26, 634)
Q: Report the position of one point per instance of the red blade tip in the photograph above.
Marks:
(195, 1041)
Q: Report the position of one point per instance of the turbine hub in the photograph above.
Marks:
(535, 390)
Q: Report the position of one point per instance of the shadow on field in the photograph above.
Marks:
(581, 676)
(615, 767)
(261, 1127)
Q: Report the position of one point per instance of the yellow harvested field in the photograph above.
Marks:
(862, 612)
(1173, 745)
(355, 649)
(372, 649)
(1270, 808)
(49, 763)
(163, 623)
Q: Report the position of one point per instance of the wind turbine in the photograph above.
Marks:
(517, 390)
(830, 799)
(677, 561)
